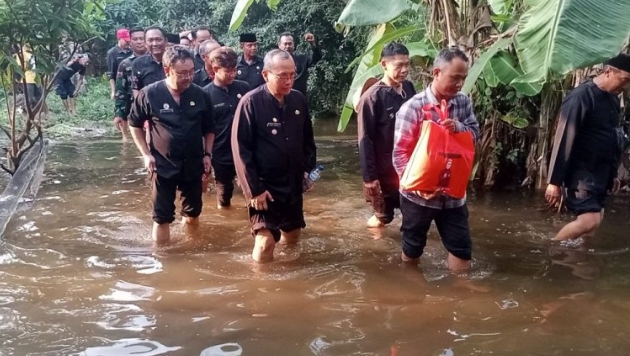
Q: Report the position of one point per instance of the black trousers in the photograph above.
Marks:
(224, 175)
(164, 193)
(452, 224)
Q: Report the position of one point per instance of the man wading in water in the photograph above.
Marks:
(587, 149)
(181, 126)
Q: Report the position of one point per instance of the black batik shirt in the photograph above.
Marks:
(250, 73)
(587, 147)
(66, 72)
(198, 61)
(176, 131)
(302, 63)
(273, 144)
(115, 55)
(377, 121)
(202, 78)
(224, 101)
(146, 71)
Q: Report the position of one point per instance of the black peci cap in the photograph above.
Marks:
(247, 37)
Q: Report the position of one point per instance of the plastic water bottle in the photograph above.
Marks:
(312, 177)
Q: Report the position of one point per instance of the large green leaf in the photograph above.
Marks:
(506, 71)
(371, 12)
(490, 76)
(479, 65)
(352, 99)
(389, 37)
(422, 49)
(562, 35)
(498, 7)
(240, 11)
(273, 4)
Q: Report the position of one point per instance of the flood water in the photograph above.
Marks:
(79, 275)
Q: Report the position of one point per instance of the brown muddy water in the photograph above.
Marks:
(79, 275)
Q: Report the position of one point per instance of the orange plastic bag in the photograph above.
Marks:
(441, 161)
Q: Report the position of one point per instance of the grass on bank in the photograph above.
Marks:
(94, 116)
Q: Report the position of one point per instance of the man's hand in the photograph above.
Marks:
(449, 124)
(310, 38)
(552, 195)
(373, 188)
(207, 165)
(112, 96)
(260, 202)
(616, 186)
(307, 185)
(118, 123)
(149, 162)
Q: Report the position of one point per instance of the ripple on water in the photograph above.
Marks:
(128, 292)
(136, 347)
(229, 349)
(140, 263)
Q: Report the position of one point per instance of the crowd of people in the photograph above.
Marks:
(196, 108)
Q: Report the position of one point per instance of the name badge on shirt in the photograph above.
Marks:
(219, 105)
(166, 109)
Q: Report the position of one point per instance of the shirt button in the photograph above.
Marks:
(286, 138)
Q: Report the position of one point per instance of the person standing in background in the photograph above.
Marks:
(124, 93)
(199, 36)
(64, 86)
(302, 61)
(204, 76)
(250, 64)
(148, 69)
(117, 54)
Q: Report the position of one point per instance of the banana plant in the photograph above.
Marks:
(241, 8)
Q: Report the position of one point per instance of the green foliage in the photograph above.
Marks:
(371, 12)
(558, 36)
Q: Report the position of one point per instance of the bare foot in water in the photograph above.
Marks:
(373, 221)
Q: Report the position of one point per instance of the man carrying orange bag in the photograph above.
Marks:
(420, 207)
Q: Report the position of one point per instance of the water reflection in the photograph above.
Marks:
(79, 276)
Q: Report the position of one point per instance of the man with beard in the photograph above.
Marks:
(117, 54)
(148, 69)
(204, 75)
(376, 115)
(249, 64)
(274, 149)
(419, 209)
(180, 139)
(587, 149)
(124, 93)
(302, 61)
(225, 93)
(199, 36)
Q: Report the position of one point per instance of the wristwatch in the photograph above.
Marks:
(209, 154)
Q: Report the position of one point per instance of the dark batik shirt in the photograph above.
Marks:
(176, 131)
(377, 121)
(198, 61)
(115, 55)
(250, 73)
(66, 72)
(123, 94)
(588, 145)
(273, 144)
(146, 71)
(224, 101)
(302, 63)
(202, 78)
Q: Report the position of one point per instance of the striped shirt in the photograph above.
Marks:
(407, 132)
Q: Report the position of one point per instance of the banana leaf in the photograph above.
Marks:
(372, 12)
(562, 35)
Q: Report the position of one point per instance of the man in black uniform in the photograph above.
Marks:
(250, 64)
(117, 54)
(225, 93)
(124, 94)
(199, 36)
(204, 75)
(180, 134)
(302, 61)
(148, 69)
(274, 149)
(377, 118)
(587, 149)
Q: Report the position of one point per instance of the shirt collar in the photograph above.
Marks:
(433, 100)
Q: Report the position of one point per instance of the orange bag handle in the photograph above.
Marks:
(441, 109)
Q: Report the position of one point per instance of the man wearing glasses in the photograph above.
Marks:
(180, 139)
(273, 149)
(225, 93)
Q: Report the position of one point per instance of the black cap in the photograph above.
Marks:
(621, 62)
(247, 37)
(172, 38)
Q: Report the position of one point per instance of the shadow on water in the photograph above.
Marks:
(79, 275)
